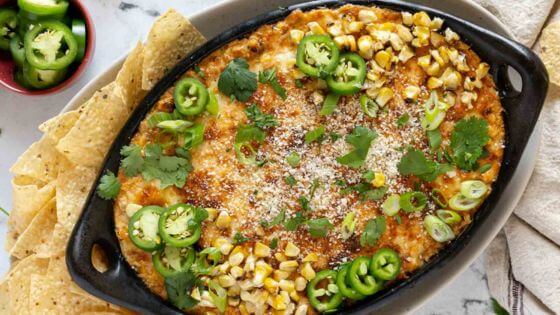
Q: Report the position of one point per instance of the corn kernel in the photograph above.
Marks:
(378, 180)
(223, 221)
(236, 259)
(280, 274)
(450, 36)
(436, 23)
(131, 209)
(271, 285)
(383, 59)
(411, 92)
(381, 36)
(233, 301)
(421, 19)
(226, 281)
(300, 283)
(347, 42)
(279, 302)
(433, 69)
(280, 257)
(424, 61)
(449, 98)
(407, 18)
(437, 57)
(335, 29)
(291, 250)
(384, 96)
(261, 250)
(396, 42)
(436, 39)
(301, 310)
(311, 257)
(250, 263)
(405, 54)
(315, 28)
(468, 84)
(482, 70)
(422, 34)
(234, 290)
(289, 265)
(354, 27)
(223, 268)
(468, 97)
(451, 80)
(367, 16)
(404, 33)
(296, 35)
(243, 309)
(365, 46)
(295, 296)
(236, 272)
(245, 285)
(434, 83)
(307, 272)
(223, 244)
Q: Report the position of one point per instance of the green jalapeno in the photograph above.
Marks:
(171, 261)
(317, 55)
(448, 216)
(18, 77)
(473, 189)
(42, 79)
(369, 106)
(349, 75)
(438, 197)
(391, 205)
(177, 226)
(80, 33)
(50, 45)
(17, 50)
(143, 228)
(385, 264)
(211, 254)
(413, 201)
(344, 286)
(360, 279)
(8, 27)
(461, 203)
(44, 8)
(28, 20)
(437, 229)
(191, 96)
(323, 293)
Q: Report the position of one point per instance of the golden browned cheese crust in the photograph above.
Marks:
(251, 194)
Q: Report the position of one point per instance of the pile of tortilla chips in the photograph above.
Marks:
(53, 178)
(550, 51)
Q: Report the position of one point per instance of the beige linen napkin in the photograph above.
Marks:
(523, 262)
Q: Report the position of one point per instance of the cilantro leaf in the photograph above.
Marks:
(304, 203)
(237, 81)
(273, 243)
(434, 138)
(269, 77)
(290, 180)
(415, 163)
(133, 162)
(468, 138)
(315, 135)
(179, 289)
(109, 186)
(259, 118)
(239, 238)
(293, 159)
(373, 231)
(403, 120)
(277, 220)
(200, 214)
(169, 170)
(319, 227)
(361, 139)
(293, 223)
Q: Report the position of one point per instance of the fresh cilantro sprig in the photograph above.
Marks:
(109, 186)
(237, 81)
(133, 161)
(239, 238)
(316, 134)
(415, 163)
(468, 139)
(278, 219)
(260, 119)
(361, 139)
(403, 120)
(434, 139)
(179, 289)
(319, 227)
(373, 230)
(269, 77)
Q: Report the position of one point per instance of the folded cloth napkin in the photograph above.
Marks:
(523, 262)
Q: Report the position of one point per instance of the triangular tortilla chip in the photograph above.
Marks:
(129, 79)
(18, 280)
(38, 234)
(39, 162)
(58, 126)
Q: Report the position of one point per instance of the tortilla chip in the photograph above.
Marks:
(27, 200)
(72, 189)
(18, 280)
(129, 79)
(170, 40)
(39, 162)
(550, 51)
(58, 241)
(5, 304)
(38, 234)
(58, 126)
(89, 140)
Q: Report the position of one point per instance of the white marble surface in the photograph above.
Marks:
(119, 24)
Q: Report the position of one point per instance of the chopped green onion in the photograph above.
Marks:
(218, 296)
(174, 126)
(369, 106)
(348, 225)
(413, 201)
(391, 206)
(438, 198)
(158, 117)
(437, 229)
(448, 216)
(315, 134)
(212, 107)
(485, 168)
(293, 159)
(473, 189)
(246, 134)
(329, 105)
(290, 180)
(193, 136)
(434, 112)
(208, 254)
(461, 203)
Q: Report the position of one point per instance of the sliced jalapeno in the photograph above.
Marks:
(177, 226)
(448, 216)
(28, 20)
(50, 45)
(413, 201)
(80, 32)
(437, 229)
(344, 286)
(143, 228)
(18, 77)
(391, 205)
(171, 261)
(44, 8)
(349, 75)
(202, 265)
(369, 106)
(461, 203)
(323, 293)
(42, 79)
(473, 189)
(17, 50)
(360, 279)
(191, 96)
(385, 264)
(317, 55)
(8, 27)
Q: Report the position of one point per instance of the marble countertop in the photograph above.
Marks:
(119, 25)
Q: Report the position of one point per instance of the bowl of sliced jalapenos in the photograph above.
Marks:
(44, 45)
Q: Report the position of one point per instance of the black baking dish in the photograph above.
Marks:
(120, 284)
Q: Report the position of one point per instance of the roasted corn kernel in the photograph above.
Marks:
(291, 250)
(404, 33)
(384, 96)
(315, 28)
(405, 54)
(383, 59)
(335, 29)
(450, 36)
(289, 265)
(365, 46)
(311, 257)
(354, 27)
(411, 92)
(367, 16)
(407, 18)
(223, 221)
(261, 250)
(421, 19)
(434, 83)
(307, 271)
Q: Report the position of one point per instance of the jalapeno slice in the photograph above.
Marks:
(317, 55)
(344, 286)
(171, 261)
(360, 279)
(143, 228)
(80, 33)
(177, 226)
(207, 259)
(50, 45)
(323, 293)
(191, 96)
(8, 27)
(28, 20)
(42, 7)
(349, 75)
(42, 79)
(385, 264)
(17, 50)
